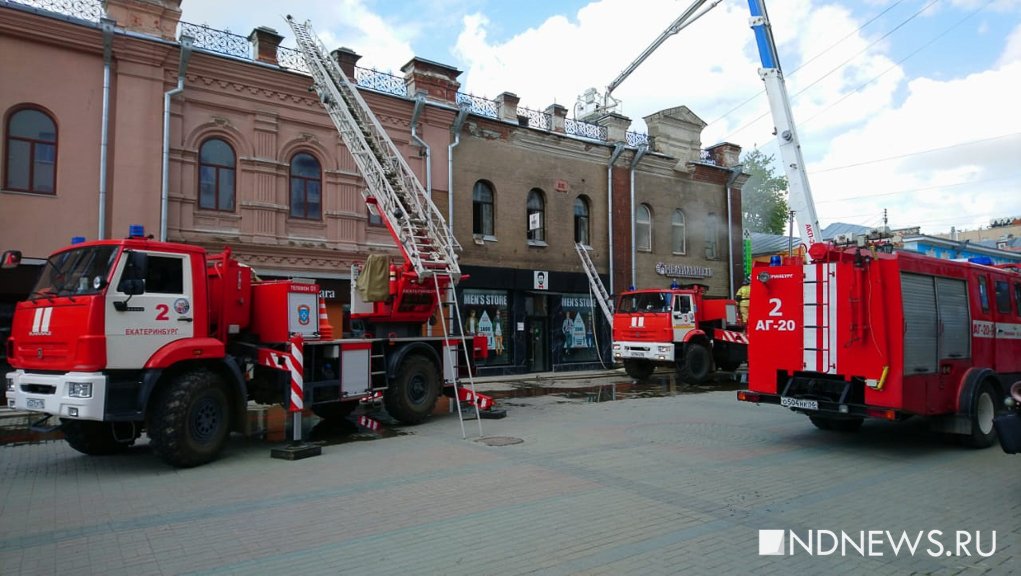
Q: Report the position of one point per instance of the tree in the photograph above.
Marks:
(763, 196)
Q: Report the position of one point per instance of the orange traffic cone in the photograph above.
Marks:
(325, 329)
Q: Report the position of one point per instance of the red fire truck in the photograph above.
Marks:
(133, 335)
(859, 333)
(677, 327)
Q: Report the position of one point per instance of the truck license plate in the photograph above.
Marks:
(799, 403)
(36, 404)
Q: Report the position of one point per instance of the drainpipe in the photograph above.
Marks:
(455, 129)
(639, 153)
(419, 106)
(618, 149)
(735, 173)
(186, 42)
(106, 24)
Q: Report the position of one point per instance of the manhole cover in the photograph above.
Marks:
(500, 440)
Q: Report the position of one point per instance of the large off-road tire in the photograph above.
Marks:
(96, 438)
(191, 420)
(411, 397)
(697, 364)
(850, 424)
(334, 411)
(639, 369)
(984, 408)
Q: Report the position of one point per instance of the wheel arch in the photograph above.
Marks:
(973, 378)
(395, 359)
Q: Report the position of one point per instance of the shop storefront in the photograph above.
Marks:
(533, 321)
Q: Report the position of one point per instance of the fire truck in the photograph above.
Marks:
(677, 327)
(864, 331)
(135, 335)
(858, 333)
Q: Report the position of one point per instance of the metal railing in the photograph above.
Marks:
(88, 10)
(218, 41)
(478, 105)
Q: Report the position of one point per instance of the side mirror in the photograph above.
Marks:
(10, 259)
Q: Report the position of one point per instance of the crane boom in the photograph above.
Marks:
(799, 191)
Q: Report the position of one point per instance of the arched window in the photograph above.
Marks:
(643, 228)
(216, 175)
(678, 242)
(581, 220)
(482, 209)
(536, 221)
(306, 187)
(30, 164)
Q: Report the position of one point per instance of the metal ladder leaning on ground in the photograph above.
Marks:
(392, 189)
(602, 296)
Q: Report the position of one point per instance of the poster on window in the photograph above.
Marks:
(485, 312)
(574, 333)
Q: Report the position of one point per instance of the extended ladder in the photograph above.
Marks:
(602, 296)
(392, 189)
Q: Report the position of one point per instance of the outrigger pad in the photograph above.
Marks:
(296, 451)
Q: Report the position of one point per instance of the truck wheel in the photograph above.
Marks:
(412, 396)
(334, 411)
(639, 369)
(93, 438)
(983, 410)
(191, 421)
(697, 364)
(837, 424)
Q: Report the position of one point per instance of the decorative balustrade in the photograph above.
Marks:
(536, 119)
(292, 60)
(380, 82)
(585, 130)
(218, 41)
(636, 139)
(88, 10)
(478, 105)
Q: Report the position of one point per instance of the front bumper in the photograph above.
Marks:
(653, 351)
(50, 394)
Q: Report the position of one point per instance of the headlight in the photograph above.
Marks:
(664, 348)
(79, 389)
(10, 384)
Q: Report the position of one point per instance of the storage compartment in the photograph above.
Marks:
(284, 307)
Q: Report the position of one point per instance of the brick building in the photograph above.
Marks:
(251, 161)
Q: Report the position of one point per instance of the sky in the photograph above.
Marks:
(904, 108)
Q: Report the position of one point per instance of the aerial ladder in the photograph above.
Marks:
(392, 189)
(393, 192)
(602, 296)
(588, 105)
(799, 192)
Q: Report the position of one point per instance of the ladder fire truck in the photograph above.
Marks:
(133, 335)
(864, 331)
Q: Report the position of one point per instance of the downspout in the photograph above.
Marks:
(455, 129)
(186, 42)
(106, 25)
(639, 153)
(618, 149)
(419, 106)
(735, 173)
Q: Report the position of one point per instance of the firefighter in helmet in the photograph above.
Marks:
(742, 298)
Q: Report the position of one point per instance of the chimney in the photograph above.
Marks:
(438, 81)
(265, 42)
(347, 59)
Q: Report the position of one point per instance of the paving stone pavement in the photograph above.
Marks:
(659, 486)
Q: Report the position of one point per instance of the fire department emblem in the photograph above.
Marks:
(304, 315)
(181, 306)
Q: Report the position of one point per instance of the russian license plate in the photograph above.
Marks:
(36, 404)
(799, 403)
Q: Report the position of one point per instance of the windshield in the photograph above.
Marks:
(76, 272)
(645, 302)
